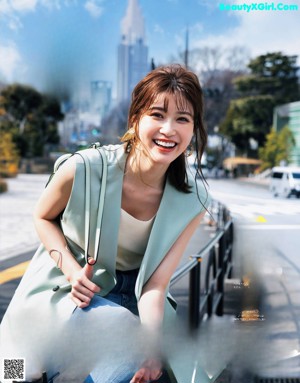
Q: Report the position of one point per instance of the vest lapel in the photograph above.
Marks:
(176, 210)
(112, 209)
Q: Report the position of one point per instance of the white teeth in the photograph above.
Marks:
(165, 144)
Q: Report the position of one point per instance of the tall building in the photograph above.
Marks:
(289, 115)
(101, 97)
(132, 51)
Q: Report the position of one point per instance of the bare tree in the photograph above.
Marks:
(216, 68)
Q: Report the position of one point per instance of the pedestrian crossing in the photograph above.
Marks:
(251, 211)
(250, 208)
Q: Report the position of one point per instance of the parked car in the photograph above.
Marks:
(192, 166)
(285, 181)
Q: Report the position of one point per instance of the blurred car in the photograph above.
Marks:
(193, 165)
(285, 181)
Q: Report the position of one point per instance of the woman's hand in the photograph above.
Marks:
(83, 289)
(149, 372)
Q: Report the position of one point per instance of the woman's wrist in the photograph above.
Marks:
(65, 261)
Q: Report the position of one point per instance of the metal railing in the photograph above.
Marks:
(218, 256)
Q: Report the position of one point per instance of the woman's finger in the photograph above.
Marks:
(82, 279)
(82, 297)
(78, 302)
(81, 289)
(139, 376)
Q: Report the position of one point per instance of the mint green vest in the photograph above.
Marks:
(175, 212)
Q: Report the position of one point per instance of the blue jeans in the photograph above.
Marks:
(123, 292)
(123, 295)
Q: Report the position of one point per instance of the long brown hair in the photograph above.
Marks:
(185, 86)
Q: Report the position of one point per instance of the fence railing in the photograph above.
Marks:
(218, 266)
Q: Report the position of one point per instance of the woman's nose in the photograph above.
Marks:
(167, 128)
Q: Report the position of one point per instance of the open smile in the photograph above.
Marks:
(165, 144)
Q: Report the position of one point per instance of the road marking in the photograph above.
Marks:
(13, 272)
(270, 227)
(261, 219)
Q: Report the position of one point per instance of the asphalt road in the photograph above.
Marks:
(266, 249)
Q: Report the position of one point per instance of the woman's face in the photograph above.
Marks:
(166, 131)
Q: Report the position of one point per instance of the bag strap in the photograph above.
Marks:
(101, 202)
(88, 202)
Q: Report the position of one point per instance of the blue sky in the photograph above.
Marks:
(47, 42)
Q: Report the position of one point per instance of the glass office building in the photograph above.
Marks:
(289, 115)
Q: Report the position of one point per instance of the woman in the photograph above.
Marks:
(151, 209)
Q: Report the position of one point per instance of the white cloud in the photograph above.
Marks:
(10, 62)
(94, 9)
(23, 5)
(261, 32)
(11, 11)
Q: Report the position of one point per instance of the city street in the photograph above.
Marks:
(266, 251)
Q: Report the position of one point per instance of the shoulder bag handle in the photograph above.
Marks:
(88, 203)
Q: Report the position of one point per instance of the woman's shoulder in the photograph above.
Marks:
(113, 153)
(199, 190)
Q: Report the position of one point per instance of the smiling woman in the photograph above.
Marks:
(170, 100)
(164, 129)
(100, 283)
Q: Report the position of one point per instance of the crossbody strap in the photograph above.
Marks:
(88, 203)
(101, 202)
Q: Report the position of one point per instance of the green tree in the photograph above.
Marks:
(272, 74)
(277, 148)
(272, 81)
(248, 118)
(31, 118)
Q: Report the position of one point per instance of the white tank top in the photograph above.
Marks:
(132, 241)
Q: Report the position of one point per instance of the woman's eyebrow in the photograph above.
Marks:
(185, 112)
(158, 108)
(165, 110)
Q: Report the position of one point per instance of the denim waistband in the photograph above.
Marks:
(125, 281)
(123, 293)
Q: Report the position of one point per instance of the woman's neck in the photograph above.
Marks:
(141, 170)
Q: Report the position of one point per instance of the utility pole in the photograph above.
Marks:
(186, 52)
(152, 64)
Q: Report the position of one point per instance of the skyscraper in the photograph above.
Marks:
(132, 51)
(101, 97)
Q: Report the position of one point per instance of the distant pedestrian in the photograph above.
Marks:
(82, 318)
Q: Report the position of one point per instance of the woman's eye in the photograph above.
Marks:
(183, 119)
(156, 115)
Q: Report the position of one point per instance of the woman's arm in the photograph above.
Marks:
(50, 205)
(151, 304)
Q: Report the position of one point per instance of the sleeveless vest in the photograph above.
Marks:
(176, 210)
(44, 286)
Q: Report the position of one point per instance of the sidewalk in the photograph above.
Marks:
(263, 182)
(17, 232)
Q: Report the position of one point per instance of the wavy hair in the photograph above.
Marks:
(185, 87)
